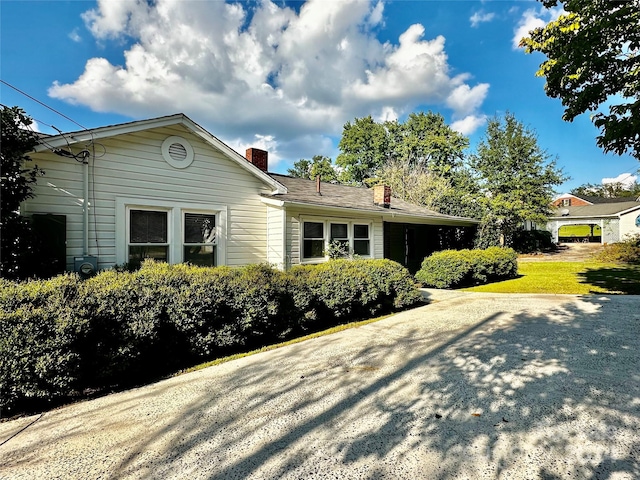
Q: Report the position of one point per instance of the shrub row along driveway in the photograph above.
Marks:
(472, 386)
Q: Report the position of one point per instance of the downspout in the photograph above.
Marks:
(85, 204)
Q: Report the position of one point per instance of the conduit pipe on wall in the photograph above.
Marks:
(85, 204)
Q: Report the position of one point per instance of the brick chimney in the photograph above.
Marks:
(260, 158)
(382, 195)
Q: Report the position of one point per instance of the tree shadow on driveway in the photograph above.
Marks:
(499, 386)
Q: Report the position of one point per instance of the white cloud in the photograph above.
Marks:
(480, 17)
(387, 114)
(469, 124)
(266, 71)
(532, 19)
(464, 100)
(625, 179)
(75, 36)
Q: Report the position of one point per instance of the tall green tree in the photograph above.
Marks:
(363, 150)
(425, 139)
(17, 179)
(593, 59)
(516, 179)
(310, 169)
(415, 184)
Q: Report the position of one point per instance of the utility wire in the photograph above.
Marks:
(43, 104)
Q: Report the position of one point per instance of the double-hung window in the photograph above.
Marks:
(361, 240)
(199, 246)
(340, 236)
(148, 236)
(313, 241)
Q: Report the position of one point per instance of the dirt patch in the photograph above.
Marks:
(567, 252)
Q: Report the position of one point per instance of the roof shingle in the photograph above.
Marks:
(303, 191)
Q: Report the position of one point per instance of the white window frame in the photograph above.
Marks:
(175, 225)
(327, 221)
(369, 239)
(128, 228)
(213, 243)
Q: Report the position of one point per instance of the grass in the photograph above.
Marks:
(569, 278)
(579, 230)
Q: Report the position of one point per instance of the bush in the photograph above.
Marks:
(455, 268)
(530, 241)
(357, 289)
(40, 329)
(62, 336)
(626, 251)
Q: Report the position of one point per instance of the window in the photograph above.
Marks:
(340, 235)
(320, 237)
(199, 243)
(361, 242)
(566, 202)
(313, 240)
(170, 232)
(148, 236)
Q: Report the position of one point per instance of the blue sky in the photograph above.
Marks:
(286, 76)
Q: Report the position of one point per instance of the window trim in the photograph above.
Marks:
(327, 221)
(368, 239)
(134, 244)
(174, 225)
(214, 243)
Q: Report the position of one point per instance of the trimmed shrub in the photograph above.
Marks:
(626, 251)
(39, 333)
(456, 268)
(62, 336)
(530, 241)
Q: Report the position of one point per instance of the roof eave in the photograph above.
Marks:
(385, 213)
(87, 136)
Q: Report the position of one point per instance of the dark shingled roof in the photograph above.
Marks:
(597, 210)
(595, 200)
(303, 191)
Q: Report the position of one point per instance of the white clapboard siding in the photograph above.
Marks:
(276, 254)
(628, 224)
(132, 166)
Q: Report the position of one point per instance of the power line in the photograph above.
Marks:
(43, 104)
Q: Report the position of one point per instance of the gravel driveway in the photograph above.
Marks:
(471, 386)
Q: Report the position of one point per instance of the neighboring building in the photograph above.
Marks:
(166, 188)
(569, 200)
(609, 219)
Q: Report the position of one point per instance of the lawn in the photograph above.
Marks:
(569, 277)
(579, 231)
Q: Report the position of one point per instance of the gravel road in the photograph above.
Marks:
(471, 386)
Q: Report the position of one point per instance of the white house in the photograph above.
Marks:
(610, 219)
(166, 188)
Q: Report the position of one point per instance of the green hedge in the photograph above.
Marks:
(62, 336)
(457, 268)
(529, 241)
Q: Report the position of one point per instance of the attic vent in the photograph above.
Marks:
(177, 152)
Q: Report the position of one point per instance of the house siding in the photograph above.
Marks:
(628, 224)
(132, 166)
(611, 230)
(276, 254)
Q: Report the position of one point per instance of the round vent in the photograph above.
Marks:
(177, 152)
